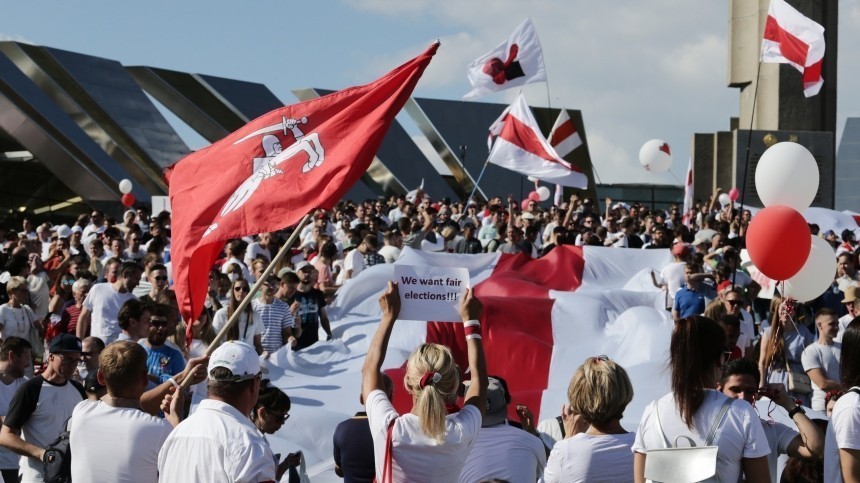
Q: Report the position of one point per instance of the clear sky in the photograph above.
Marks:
(637, 70)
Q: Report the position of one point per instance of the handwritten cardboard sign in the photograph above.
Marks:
(431, 293)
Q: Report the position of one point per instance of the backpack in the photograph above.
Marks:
(693, 463)
(58, 457)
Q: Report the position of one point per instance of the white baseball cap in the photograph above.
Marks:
(239, 357)
(63, 231)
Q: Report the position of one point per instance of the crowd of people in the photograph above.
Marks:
(93, 347)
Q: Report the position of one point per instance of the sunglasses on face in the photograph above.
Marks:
(161, 278)
(733, 302)
(158, 322)
(242, 288)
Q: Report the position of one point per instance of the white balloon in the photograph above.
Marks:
(125, 186)
(725, 199)
(655, 156)
(543, 192)
(816, 275)
(787, 175)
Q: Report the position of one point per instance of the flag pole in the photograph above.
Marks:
(481, 175)
(747, 156)
(250, 296)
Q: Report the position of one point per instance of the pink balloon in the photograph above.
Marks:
(525, 204)
(534, 196)
(734, 194)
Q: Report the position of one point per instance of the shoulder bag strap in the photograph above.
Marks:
(663, 437)
(387, 476)
(721, 415)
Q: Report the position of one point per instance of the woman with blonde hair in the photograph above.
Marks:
(598, 394)
(782, 346)
(427, 444)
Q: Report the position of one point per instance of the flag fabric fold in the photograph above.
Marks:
(515, 62)
(520, 146)
(792, 38)
(270, 173)
(564, 139)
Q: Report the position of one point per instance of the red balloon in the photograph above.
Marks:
(534, 196)
(525, 205)
(128, 200)
(734, 194)
(778, 241)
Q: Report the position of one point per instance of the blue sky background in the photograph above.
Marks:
(637, 70)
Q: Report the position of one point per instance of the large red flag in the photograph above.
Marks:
(271, 172)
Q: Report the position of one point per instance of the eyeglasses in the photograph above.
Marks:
(279, 417)
(158, 322)
(242, 289)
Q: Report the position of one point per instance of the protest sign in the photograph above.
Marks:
(431, 293)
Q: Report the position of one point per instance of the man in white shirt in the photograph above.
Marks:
(219, 443)
(15, 353)
(852, 305)
(392, 241)
(672, 275)
(353, 261)
(501, 451)
(102, 305)
(261, 248)
(113, 439)
(821, 358)
(805, 441)
(41, 406)
(134, 317)
(235, 252)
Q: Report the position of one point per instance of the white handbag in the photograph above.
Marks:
(671, 464)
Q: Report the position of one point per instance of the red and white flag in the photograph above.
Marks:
(515, 62)
(520, 147)
(792, 38)
(564, 139)
(270, 173)
(688, 195)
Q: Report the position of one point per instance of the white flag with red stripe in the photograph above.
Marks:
(564, 139)
(515, 62)
(688, 194)
(520, 146)
(792, 38)
(542, 319)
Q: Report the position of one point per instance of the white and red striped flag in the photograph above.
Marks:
(520, 147)
(792, 38)
(688, 194)
(564, 139)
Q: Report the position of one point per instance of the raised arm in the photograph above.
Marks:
(390, 304)
(83, 323)
(471, 309)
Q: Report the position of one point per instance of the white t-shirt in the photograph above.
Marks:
(246, 331)
(254, 251)
(591, 458)
(504, 452)
(115, 444)
(216, 444)
(843, 324)
(673, 275)
(104, 303)
(843, 432)
(826, 358)
(415, 456)
(246, 274)
(8, 459)
(16, 321)
(390, 253)
(354, 260)
(779, 437)
(740, 435)
(40, 293)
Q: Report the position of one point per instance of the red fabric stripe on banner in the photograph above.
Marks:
(791, 47)
(520, 135)
(812, 74)
(566, 129)
(517, 321)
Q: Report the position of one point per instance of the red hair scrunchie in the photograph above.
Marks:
(429, 378)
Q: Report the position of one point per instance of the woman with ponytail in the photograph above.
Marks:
(694, 408)
(427, 444)
(782, 346)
